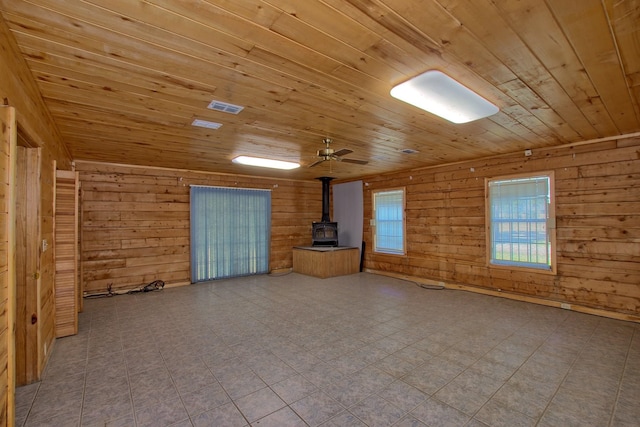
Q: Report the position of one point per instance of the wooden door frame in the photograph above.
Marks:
(9, 143)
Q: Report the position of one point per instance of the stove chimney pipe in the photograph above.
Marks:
(325, 198)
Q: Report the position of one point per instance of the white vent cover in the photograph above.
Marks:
(225, 107)
(206, 124)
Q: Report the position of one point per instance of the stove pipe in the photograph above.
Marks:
(325, 198)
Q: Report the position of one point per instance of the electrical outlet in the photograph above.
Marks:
(45, 245)
(527, 152)
(565, 306)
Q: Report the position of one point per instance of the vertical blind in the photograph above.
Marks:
(230, 232)
(519, 210)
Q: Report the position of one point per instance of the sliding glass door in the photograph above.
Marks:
(230, 232)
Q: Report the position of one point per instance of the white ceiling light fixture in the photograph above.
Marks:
(439, 94)
(265, 163)
(206, 124)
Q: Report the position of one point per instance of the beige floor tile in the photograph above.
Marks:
(347, 351)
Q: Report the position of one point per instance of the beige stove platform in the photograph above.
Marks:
(323, 262)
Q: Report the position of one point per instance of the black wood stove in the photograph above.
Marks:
(325, 232)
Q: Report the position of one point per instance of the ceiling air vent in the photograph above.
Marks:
(225, 107)
(206, 124)
(408, 151)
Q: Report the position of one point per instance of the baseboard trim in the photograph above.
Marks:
(279, 271)
(517, 297)
(176, 284)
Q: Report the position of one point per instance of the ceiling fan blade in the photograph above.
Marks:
(356, 161)
(316, 163)
(342, 152)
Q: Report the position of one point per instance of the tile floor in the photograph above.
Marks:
(360, 350)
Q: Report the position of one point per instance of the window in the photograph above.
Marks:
(521, 221)
(230, 232)
(388, 214)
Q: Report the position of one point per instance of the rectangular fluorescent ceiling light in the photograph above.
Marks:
(439, 94)
(265, 163)
(206, 124)
(224, 107)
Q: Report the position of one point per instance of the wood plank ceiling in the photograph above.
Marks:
(124, 79)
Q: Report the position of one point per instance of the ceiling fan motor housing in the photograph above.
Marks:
(325, 152)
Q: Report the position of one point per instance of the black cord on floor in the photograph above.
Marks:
(432, 287)
(156, 285)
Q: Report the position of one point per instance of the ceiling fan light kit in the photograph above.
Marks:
(439, 94)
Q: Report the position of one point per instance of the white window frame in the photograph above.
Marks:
(377, 227)
(526, 229)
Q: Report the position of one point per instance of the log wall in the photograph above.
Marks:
(598, 225)
(135, 222)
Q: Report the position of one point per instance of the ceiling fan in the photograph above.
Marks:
(328, 153)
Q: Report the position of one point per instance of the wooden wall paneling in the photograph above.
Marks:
(19, 89)
(325, 264)
(66, 253)
(578, 22)
(135, 226)
(302, 79)
(559, 58)
(8, 161)
(597, 224)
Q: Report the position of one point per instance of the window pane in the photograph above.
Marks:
(389, 220)
(519, 211)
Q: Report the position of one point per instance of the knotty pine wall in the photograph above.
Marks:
(135, 222)
(35, 125)
(598, 225)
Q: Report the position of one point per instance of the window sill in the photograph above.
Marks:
(550, 271)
